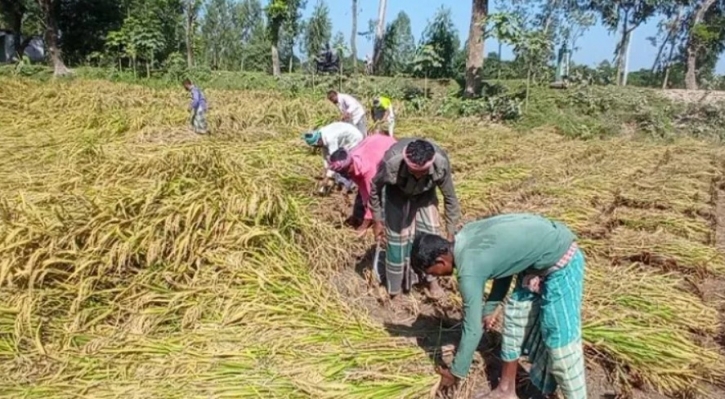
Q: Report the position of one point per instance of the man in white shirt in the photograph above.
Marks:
(351, 109)
(330, 138)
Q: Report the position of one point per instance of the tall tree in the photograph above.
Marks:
(49, 10)
(442, 38)
(13, 11)
(697, 36)
(279, 13)
(379, 35)
(398, 47)
(475, 45)
(218, 34)
(318, 30)
(191, 13)
(353, 36)
(248, 18)
(626, 15)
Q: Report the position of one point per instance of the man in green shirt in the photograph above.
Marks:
(543, 314)
(383, 112)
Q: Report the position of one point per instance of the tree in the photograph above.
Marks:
(191, 13)
(84, 25)
(353, 36)
(626, 15)
(530, 46)
(379, 35)
(250, 31)
(49, 10)
(442, 37)
(318, 30)
(218, 34)
(398, 46)
(14, 12)
(672, 29)
(698, 37)
(474, 59)
(426, 61)
(279, 13)
(340, 48)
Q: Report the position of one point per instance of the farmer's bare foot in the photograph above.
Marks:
(435, 291)
(497, 394)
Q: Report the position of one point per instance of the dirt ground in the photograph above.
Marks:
(435, 326)
(693, 96)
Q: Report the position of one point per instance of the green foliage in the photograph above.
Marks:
(398, 46)
(427, 61)
(438, 47)
(318, 30)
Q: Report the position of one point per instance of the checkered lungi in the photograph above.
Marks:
(548, 327)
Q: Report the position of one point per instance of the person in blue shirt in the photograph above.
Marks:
(197, 108)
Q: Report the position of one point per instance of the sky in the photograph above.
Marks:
(595, 46)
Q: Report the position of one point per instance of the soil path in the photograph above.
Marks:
(435, 327)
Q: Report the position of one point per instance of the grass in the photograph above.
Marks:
(139, 260)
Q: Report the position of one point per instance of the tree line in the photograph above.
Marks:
(271, 35)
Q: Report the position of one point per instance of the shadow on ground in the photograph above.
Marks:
(433, 332)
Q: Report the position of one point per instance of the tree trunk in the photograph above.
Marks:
(693, 46)
(275, 60)
(189, 32)
(671, 40)
(379, 36)
(621, 49)
(474, 60)
(291, 61)
(353, 36)
(625, 72)
(17, 24)
(51, 38)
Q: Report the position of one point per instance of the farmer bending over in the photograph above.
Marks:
(383, 111)
(404, 192)
(197, 108)
(351, 109)
(330, 138)
(543, 314)
(360, 165)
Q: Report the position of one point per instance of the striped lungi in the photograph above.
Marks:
(547, 327)
(403, 220)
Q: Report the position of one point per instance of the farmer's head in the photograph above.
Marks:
(418, 157)
(332, 96)
(187, 84)
(313, 139)
(432, 254)
(341, 162)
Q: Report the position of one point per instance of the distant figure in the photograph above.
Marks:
(351, 109)
(383, 111)
(197, 108)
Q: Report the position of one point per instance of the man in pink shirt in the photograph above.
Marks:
(360, 165)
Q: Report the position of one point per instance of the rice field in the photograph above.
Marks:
(140, 261)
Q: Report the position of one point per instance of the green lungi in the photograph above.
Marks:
(548, 328)
(404, 218)
(198, 121)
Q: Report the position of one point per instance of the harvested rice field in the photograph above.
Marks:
(138, 260)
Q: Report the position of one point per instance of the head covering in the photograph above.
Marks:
(416, 168)
(312, 138)
(342, 164)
